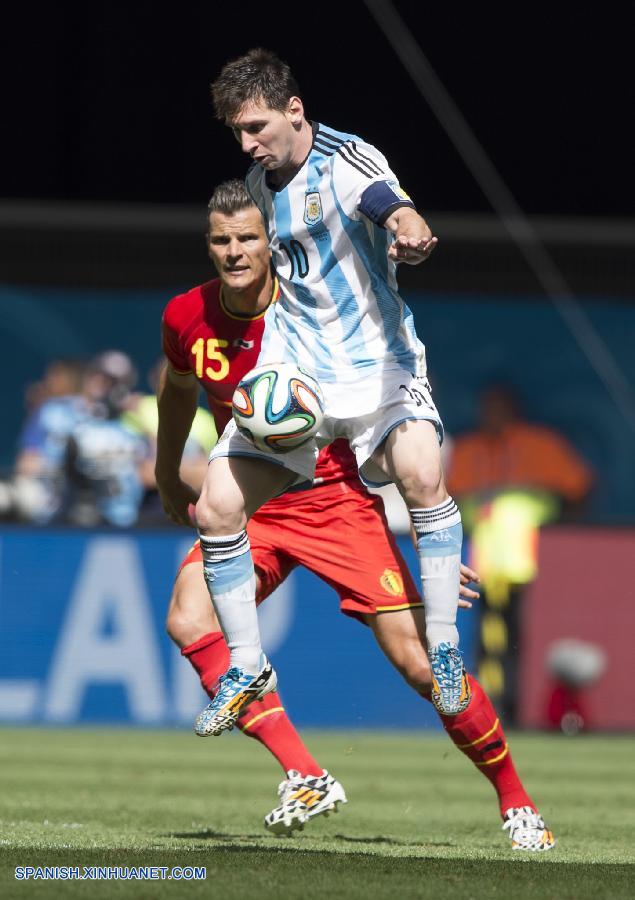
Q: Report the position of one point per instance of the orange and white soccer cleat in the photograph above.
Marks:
(301, 798)
(527, 830)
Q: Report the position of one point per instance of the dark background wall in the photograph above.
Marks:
(110, 101)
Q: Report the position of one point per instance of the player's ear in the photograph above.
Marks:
(295, 111)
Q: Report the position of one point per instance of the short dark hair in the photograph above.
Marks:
(259, 75)
(229, 198)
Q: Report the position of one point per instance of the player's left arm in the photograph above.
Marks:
(365, 184)
(414, 241)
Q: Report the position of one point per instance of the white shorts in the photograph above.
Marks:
(364, 414)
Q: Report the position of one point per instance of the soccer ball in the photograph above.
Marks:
(278, 407)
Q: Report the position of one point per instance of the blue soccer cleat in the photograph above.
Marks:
(236, 690)
(450, 687)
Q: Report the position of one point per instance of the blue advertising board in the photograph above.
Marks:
(82, 639)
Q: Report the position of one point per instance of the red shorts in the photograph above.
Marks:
(338, 531)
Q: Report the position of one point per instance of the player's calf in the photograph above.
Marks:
(401, 635)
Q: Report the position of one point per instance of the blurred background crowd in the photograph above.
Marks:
(86, 451)
(85, 456)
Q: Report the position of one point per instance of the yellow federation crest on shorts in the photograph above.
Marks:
(392, 582)
(313, 213)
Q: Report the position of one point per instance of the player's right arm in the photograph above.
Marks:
(177, 400)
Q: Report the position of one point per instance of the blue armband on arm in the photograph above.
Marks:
(382, 198)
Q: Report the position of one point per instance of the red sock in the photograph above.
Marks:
(477, 732)
(265, 720)
(209, 656)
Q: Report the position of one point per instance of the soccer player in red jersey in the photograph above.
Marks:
(211, 338)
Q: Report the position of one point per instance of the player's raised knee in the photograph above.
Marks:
(223, 513)
(180, 626)
(187, 623)
(423, 485)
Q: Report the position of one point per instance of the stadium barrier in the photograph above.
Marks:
(82, 639)
(584, 593)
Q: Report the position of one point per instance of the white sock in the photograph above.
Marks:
(230, 577)
(439, 538)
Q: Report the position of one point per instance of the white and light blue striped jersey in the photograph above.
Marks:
(339, 313)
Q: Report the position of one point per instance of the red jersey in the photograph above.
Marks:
(202, 336)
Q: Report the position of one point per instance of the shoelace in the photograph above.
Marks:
(524, 819)
(288, 785)
(451, 664)
(232, 675)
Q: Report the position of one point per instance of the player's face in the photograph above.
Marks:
(268, 135)
(239, 249)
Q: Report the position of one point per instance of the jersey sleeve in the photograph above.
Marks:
(365, 184)
(171, 339)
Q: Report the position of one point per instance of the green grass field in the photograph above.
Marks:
(420, 821)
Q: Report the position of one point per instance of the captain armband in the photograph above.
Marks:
(381, 199)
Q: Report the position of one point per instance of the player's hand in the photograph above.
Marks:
(176, 497)
(466, 594)
(412, 249)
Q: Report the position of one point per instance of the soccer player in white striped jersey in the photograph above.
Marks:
(338, 223)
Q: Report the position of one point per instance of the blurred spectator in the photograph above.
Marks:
(507, 452)
(87, 457)
(36, 492)
(103, 455)
(510, 477)
(574, 667)
(142, 416)
(77, 462)
(62, 378)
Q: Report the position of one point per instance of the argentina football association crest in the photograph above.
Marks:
(312, 208)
